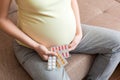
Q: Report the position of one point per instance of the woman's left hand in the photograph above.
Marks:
(74, 42)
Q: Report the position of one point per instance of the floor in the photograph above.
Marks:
(116, 74)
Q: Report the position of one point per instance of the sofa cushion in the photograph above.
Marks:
(102, 13)
(13, 7)
(10, 69)
(13, 17)
(78, 65)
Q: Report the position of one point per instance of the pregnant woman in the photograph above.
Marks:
(46, 23)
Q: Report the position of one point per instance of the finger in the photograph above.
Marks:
(72, 48)
(45, 57)
(52, 53)
(69, 49)
(72, 44)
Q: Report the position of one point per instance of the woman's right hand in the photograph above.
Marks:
(44, 52)
(11, 29)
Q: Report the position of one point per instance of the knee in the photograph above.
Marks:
(114, 43)
(113, 37)
(110, 39)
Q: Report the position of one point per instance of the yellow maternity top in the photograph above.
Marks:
(49, 22)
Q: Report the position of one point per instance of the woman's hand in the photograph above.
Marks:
(74, 42)
(44, 52)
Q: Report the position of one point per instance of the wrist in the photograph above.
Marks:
(79, 35)
(36, 45)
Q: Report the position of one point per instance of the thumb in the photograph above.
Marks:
(71, 44)
(52, 53)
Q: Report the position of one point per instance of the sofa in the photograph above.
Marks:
(101, 13)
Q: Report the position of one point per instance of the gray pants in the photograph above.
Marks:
(96, 40)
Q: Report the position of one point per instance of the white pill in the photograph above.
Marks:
(54, 64)
(50, 57)
(53, 67)
(54, 57)
(54, 61)
(49, 67)
(49, 64)
(49, 60)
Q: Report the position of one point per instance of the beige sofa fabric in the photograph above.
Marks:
(105, 13)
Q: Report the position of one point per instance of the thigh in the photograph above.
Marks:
(98, 40)
(35, 66)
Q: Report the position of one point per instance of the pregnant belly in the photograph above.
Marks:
(52, 36)
(51, 31)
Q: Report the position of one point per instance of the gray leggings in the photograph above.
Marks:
(96, 40)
